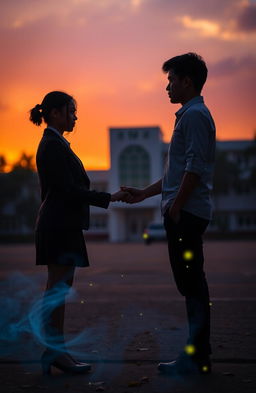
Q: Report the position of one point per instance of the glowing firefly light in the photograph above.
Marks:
(188, 255)
(205, 369)
(190, 349)
(145, 236)
(210, 304)
(180, 239)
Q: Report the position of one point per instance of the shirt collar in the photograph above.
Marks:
(193, 101)
(57, 132)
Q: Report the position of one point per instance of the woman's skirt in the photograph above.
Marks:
(61, 247)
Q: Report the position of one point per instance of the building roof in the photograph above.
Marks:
(99, 176)
(124, 129)
(231, 145)
(235, 145)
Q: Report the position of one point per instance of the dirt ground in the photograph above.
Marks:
(127, 315)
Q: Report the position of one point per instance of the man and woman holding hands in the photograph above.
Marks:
(186, 208)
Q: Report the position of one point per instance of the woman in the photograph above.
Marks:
(63, 214)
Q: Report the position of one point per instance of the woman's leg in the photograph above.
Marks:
(60, 278)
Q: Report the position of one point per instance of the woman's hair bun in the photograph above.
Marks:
(36, 115)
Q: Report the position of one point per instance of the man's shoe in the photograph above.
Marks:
(185, 365)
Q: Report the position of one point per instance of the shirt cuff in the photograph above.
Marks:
(195, 165)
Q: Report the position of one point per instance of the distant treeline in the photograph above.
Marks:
(25, 161)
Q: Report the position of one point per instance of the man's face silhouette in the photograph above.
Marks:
(177, 88)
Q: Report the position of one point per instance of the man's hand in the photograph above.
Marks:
(174, 213)
(120, 196)
(189, 182)
(135, 195)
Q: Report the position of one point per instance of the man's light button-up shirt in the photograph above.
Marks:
(192, 149)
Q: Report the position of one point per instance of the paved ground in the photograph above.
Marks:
(126, 316)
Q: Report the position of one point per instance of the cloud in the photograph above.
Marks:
(232, 66)
(136, 3)
(16, 14)
(233, 20)
(203, 26)
(237, 28)
(246, 20)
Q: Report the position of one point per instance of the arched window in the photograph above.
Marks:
(134, 167)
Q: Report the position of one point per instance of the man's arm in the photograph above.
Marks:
(153, 189)
(138, 195)
(189, 182)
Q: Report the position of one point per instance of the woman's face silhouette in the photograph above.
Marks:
(64, 119)
(70, 116)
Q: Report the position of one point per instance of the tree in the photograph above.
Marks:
(3, 163)
(25, 161)
(19, 189)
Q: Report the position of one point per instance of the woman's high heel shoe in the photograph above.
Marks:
(49, 359)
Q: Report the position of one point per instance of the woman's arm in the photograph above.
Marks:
(53, 165)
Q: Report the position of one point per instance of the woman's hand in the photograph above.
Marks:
(123, 196)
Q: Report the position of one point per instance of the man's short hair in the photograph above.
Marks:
(191, 65)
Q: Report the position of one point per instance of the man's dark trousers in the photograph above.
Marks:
(186, 257)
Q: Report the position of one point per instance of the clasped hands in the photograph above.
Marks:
(128, 195)
(134, 195)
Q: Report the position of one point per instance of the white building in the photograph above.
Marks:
(137, 159)
(235, 207)
(137, 156)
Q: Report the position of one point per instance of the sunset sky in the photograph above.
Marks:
(108, 54)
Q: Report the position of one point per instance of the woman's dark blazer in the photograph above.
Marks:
(65, 187)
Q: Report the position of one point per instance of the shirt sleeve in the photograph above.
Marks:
(197, 134)
(56, 170)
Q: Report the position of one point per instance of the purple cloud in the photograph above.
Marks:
(230, 66)
(246, 21)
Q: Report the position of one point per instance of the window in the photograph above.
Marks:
(240, 221)
(98, 222)
(246, 220)
(221, 221)
(133, 134)
(134, 167)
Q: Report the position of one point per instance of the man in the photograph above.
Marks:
(186, 207)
